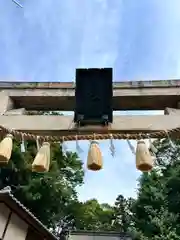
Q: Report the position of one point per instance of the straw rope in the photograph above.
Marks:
(29, 136)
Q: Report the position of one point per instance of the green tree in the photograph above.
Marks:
(47, 195)
(91, 215)
(155, 212)
(122, 214)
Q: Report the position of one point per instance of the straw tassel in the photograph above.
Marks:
(42, 160)
(6, 146)
(144, 160)
(94, 161)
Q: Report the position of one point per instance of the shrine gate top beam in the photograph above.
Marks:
(136, 95)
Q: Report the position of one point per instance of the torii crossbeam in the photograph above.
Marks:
(16, 98)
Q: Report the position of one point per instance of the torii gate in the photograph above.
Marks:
(17, 98)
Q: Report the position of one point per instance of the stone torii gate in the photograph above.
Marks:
(16, 98)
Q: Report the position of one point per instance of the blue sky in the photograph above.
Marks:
(47, 39)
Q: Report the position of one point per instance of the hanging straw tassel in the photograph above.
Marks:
(144, 160)
(42, 160)
(94, 161)
(6, 146)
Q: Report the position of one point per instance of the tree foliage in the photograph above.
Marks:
(46, 195)
(156, 209)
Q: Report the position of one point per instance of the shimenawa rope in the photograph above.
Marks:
(28, 136)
